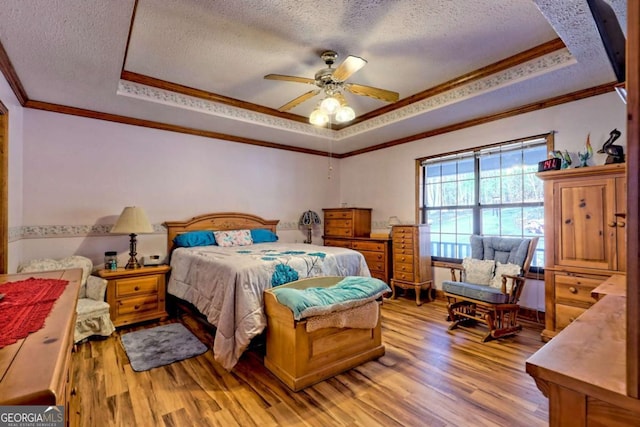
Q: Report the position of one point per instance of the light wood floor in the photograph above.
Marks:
(428, 377)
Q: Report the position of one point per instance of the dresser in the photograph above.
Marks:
(411, 260)
(36, 370)
(351, 228)
(136, 295)
(585, 238)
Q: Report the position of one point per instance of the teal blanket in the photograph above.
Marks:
(349, 292)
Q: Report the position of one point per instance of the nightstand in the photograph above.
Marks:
(136, 295)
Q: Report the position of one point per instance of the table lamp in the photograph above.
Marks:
(309, 219)
(132, 221)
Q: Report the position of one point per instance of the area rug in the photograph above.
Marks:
(159, 346)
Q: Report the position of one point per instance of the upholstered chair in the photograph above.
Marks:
(487, 286)
(92, 311)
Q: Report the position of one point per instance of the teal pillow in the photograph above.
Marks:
(262, 235)
(195, 238)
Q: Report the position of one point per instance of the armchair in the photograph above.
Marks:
(92, 311)
(487, 287)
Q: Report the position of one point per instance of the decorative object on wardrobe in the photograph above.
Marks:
(309, 219)
(132, 221)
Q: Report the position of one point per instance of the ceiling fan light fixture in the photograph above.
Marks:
(345, 114)
(330, 105)
(318, 117)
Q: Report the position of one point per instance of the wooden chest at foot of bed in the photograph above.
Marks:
(300, 358)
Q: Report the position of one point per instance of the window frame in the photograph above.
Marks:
(421, 211)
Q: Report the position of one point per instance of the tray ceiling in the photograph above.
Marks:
(199, 65)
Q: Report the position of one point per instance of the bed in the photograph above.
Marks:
(226, 284)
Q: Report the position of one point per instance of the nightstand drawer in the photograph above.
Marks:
(135, 286)
(136, 295)
(368, 246)
(137, 305)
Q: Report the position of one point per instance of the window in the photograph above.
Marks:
(491, 191)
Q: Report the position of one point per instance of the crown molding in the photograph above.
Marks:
(467, 88)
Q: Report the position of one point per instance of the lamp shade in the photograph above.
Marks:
(309, 218)
(132, 220)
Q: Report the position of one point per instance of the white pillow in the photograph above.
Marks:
(478, 271)
(233, 238)
(508, 269)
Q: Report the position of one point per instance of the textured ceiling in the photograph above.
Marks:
(73, 53)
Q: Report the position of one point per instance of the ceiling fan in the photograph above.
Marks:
(332, 81)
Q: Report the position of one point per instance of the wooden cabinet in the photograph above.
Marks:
(411, 259)
(136, 295)
(350, 228)
(347, 222)
(36, 370)
(585, 219)
(582, 371)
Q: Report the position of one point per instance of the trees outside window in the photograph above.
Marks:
(491, 191)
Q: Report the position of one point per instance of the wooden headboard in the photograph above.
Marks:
(215, 222)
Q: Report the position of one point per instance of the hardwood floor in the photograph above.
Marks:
(428, 377)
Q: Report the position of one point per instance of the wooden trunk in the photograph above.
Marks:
(300, 358)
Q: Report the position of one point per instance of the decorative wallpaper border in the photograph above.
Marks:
(58, 231)
(532, 68)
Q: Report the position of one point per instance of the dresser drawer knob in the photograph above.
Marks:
(137, 288)
(573, 290)
(136, 307)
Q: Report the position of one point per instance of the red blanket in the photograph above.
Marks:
(25, 306)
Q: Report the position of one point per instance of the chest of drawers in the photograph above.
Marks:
(376, 252)
(347, 222)
(350, 228)
(136, 295)
(411, 259)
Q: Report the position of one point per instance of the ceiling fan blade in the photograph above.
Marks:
(350, 65)
(373, 92)
(299, 100)
(290, 78)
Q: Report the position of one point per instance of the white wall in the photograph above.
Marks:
(82, 171)
(15, 189)
(384, 180)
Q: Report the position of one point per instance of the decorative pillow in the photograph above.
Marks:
(478, 271)
(195, 238)
(508, 269)
(233, 238)
(262, 235)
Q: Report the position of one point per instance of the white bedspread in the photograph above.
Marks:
(227, 284)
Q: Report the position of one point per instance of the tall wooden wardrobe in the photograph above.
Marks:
(585, 239)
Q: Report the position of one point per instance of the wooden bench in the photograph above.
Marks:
(300, 358)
